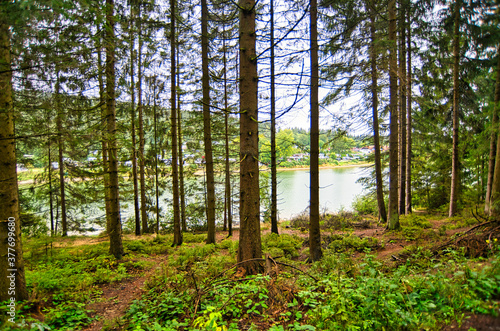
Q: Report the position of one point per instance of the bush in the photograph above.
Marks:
(413, 220)
(365, 204)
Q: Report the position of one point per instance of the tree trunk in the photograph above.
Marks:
(132, 124)
(393, 215)
(12, 280)
(249, 241)
(456, 62)
(315, 252)
(408, 119)
(51, 198)
(142, 171)
(376, 135)
(104, 143)
(60, 144)
(494, 205)
(115, 228)
(173, 118)
(493, 137)
(402, 105)
(181, 158)
(274, 180)
(157, 192)
(207, 131)
(228, 215)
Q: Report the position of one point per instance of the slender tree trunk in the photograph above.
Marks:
(249, 242)
(157, 192)
(494, 203)
(493, 138)
(402, 105)
(376, 135)
(115, 228)
(132, 124)
(181, 158)
(315, 252)
(60, 144)
(228, 216)
(207, 131)
(173, 117)
(104, 143)
(51, 198)
(274, 180)
(11, 251)
(456, 104)
(142, 171)
(393, 215)
(408, 207)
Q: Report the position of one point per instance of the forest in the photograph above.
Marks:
(141, 144)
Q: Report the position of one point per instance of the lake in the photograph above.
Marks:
(338, 188)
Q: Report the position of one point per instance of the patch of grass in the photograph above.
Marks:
(281, 245)
(414, 220)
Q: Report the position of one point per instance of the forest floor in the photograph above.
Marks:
(76, 285)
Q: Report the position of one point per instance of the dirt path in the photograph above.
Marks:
(117, 298)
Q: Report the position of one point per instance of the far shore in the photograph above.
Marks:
(327, 166)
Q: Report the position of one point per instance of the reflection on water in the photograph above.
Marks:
(338, 188)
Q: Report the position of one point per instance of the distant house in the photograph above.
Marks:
(297, 157)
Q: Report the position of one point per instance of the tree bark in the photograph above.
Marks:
(456, 105)
(402, 105)
(393, 215)
(408, 206)
(173, 118)
(142, 171)
(494, 205)
(181, 158)
(115, 228)
(493, 138)
(11, 251)
(104, 143)
(315, 252)
(60, 145)
(249, 242)
(274, 180)
(207, 131)
(376, 135)
(228, 215)
(132, 124)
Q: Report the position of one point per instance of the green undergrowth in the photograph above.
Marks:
(336, 293)
(201, 287)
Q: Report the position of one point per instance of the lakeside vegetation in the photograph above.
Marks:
(369, 279)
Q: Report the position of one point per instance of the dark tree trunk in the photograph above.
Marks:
(315, 252)
(11, 251)
(249, 242)
(408, 207)
(228, 215)
(376, 135)
(402, 105)
(393, 215)
(207, 131)
(493, 140)
(274, 180)
(115, 226)
(456, 104)
(173, 117)
(60, 144)
(181, 158)
(132, 124)
(494, 203)
(104, 143)
(142, 160)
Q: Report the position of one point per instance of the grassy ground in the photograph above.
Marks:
(431, 275)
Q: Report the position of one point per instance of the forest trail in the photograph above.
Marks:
(117, 297)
